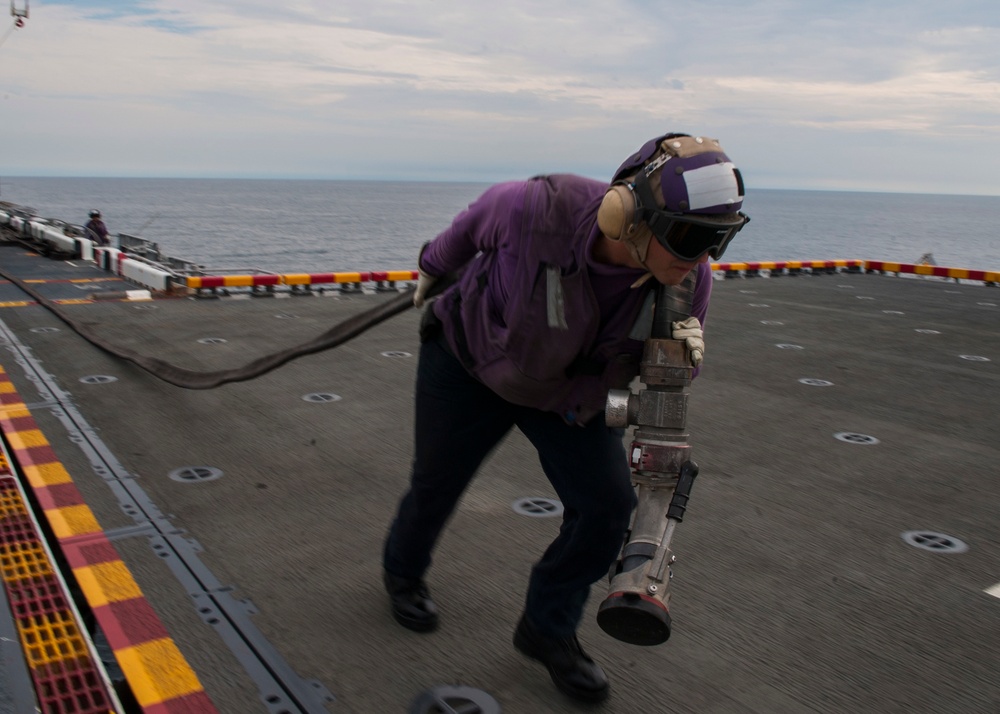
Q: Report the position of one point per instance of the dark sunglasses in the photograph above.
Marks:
(689, 236)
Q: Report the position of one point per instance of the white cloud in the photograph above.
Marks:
(445, 90)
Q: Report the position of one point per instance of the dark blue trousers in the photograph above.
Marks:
(458, 422)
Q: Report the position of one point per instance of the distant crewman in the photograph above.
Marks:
(96, 230)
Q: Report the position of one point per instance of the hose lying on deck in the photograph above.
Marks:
(190, 379)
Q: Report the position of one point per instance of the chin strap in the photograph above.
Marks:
(641, 281)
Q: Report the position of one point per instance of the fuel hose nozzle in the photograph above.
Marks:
(636, 609)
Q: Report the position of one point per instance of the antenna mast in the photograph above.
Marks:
(20, 14)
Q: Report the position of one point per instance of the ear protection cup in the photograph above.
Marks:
(616, 215)
(617, 220)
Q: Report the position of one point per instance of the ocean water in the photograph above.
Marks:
(324, 226)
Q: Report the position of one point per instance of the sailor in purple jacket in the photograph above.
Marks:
(96, 230)
(552, 303)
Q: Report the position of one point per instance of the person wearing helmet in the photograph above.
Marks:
(96, 230)
(554, 277)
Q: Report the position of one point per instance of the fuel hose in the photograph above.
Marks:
(191, 379)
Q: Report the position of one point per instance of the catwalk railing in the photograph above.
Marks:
(141, 262)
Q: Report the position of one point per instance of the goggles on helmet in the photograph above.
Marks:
(687, 235)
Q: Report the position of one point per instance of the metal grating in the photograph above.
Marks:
(98, 379)
(935, 542)
(321, 397)
(195, 474)
(153, 668)
(67, 680)
(537, 507)
(447, 699)
(854, 438)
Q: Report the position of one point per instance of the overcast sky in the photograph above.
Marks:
(892, 95)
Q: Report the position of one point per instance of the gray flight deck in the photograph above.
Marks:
(794, 590)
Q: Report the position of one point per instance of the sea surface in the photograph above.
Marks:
(327, 226)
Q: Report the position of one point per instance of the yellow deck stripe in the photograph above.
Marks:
(158, 671)
(106, 583)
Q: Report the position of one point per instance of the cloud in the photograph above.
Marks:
(454, 89)
(922, 102)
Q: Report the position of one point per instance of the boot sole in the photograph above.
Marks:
(584, 695)
(415, 625)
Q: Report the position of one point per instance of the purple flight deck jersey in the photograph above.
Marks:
(534, 315)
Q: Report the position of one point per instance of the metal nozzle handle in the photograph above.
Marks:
(678, 504)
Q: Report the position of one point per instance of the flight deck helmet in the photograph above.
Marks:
(95, 213)
(681, 189)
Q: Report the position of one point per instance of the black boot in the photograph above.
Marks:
(411, 603)
(572, 671)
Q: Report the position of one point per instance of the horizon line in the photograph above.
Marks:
(459, 181)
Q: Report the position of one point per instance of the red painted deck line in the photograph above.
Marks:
(159, 676)
(65, 676)
(219, 281)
